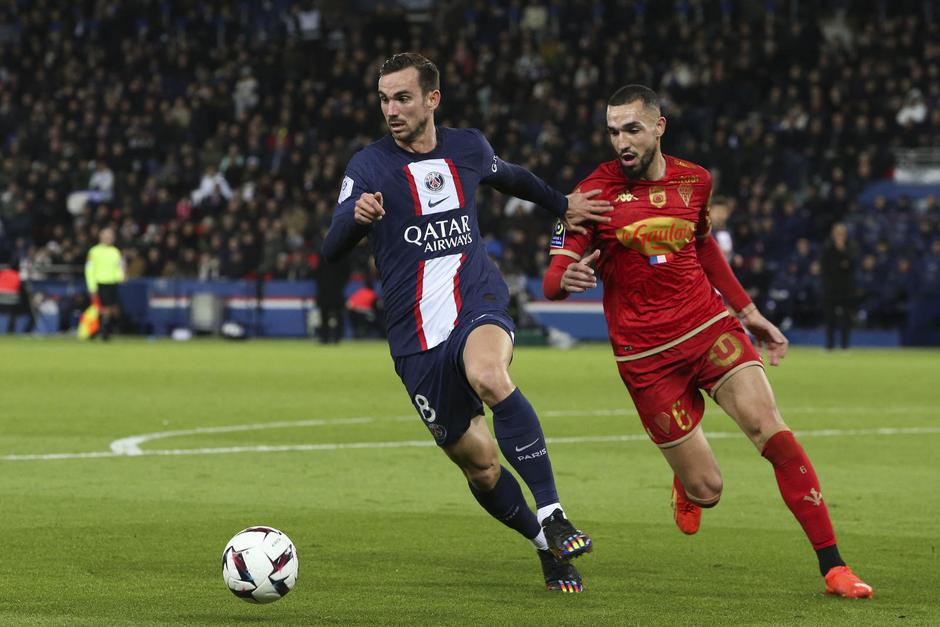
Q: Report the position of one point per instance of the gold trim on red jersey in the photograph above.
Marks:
(562, 251)
(682, 439)
(678, 340)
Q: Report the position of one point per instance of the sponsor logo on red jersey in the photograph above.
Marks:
(657, 236)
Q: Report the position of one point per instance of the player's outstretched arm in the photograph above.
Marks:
(351, 224)
(720, 275)
(574, 209)
(514, 180)
(568, 276)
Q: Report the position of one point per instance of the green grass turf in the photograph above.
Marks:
(391, 535)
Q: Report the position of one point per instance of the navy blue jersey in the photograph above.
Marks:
(431, 259)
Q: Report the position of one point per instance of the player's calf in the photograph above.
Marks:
(483, 477)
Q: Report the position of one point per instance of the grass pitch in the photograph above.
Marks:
(385, 528)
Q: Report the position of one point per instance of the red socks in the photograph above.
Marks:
(799, 487)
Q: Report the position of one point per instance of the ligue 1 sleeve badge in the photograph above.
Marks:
(558, 235)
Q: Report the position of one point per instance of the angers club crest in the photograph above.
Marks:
(658, 196)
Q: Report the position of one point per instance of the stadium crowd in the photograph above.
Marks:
(211, 136)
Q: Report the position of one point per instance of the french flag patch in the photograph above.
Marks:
(657, 259)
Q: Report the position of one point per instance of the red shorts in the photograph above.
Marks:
(665, 386)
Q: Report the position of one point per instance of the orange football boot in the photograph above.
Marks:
(842, 581)
(688, 515)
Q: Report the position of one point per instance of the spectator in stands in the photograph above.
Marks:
(720, 211)
(15, 299)
(914, 110)
(900, 285)
(839, 293)
(331, 300)
(757, 278)
(101, 183)
(365, 312)
(20, 225)
(212, 188)
(868, 282)
(803, 256)
(930, 275)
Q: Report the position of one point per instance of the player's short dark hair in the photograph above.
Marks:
(632, 93)
(428, 76)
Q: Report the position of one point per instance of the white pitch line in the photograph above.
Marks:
(131, 445)
(821, 433)
(52, 456)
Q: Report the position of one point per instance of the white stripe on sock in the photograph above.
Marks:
(539, 541)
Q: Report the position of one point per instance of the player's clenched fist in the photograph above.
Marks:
(579, 276)
(368, 208)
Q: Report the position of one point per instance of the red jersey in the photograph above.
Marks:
(656, 293)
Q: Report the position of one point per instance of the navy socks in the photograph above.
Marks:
(506, 504)
(520, 438)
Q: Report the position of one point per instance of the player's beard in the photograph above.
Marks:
(415, 134)
(639, 170)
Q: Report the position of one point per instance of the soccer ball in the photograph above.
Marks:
(259, 564)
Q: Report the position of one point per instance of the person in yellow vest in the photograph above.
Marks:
(104, 271)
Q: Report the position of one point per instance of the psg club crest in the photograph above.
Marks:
(439, 432)
(434, 181)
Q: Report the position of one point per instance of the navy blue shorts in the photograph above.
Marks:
(437, 382)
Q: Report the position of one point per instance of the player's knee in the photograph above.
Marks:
(491, 382)
(705, 490)
(764, 427)
(483, 476)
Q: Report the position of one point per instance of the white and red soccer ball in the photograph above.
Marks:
(259, 564)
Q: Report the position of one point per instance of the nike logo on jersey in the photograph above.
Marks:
(522, 448)
(432, 204)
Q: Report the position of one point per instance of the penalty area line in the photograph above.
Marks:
(637, 437)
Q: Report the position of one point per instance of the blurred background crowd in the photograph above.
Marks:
(213, 135)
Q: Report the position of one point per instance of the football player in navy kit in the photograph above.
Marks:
(413, 194)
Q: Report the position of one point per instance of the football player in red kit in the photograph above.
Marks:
(672, 334)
